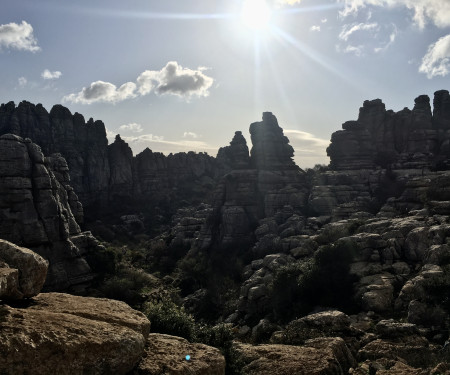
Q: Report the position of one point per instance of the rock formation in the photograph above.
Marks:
(271, 149)
(39, 210)
(103, 175)
(385, 138)
(245, 196)
(234, 156)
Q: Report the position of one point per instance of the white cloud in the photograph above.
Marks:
(324, 20)
(18, 36)
(435, 11)
(176, 80)
(132, 127)
(315, 28)
(190, 135)
(357, 50)
(349, 29)
(47, 74)
(100, 91)
(22, 81)
(436, 62)
(172, 79)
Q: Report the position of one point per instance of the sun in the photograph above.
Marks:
(256, 14)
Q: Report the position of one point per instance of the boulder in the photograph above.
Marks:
(319, 356)
(25, 274)
(71, 335)
(175, 355)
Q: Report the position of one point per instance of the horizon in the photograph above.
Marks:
(177, 78)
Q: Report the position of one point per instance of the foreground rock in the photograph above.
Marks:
(166, 354)
(22, 272)
(59, 333)
(318, 356)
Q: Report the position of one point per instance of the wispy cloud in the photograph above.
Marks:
(309, 149)
(436, 62)
(314, 28)
(22, 81)
(173, 79)
(18, 37)
(424, 11)
(47, 74)
(132, 127)
(390, 42)
(160, 144)
(349, 29)
(190, 135)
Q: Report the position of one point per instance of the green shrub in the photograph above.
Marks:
(324, 281)
(127, 285)
(166, 317)
(285, 291)
(103, 261)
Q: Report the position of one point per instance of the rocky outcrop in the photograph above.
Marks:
(384, 138)
(22, 272)
(70, 335)
(37, 207)
(271, 149)
(83, 144)
(103, 175)
(120, 159)
(243, 197)
(175, 355)
(234, 156)
(318, 356)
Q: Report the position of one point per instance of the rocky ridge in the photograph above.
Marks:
(103, 175)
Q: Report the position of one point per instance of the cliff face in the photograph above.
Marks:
(39, 210)
(83, 144)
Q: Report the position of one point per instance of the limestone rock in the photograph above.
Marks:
(320, 356)
(36, 204)
(236, 155)
(26, 275)
(71, 335)
(167, 354)
(271, 149)
(407, 138)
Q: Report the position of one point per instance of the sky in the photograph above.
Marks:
(180, 75)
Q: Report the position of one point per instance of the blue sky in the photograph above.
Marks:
(178, 75)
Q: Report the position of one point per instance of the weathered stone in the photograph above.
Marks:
(30, 271)
(321, 356)
(71, 335)
(168, 354)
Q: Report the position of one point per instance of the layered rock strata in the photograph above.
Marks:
(39, 210)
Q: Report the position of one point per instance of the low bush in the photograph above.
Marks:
(324, 281)
(166, 317)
